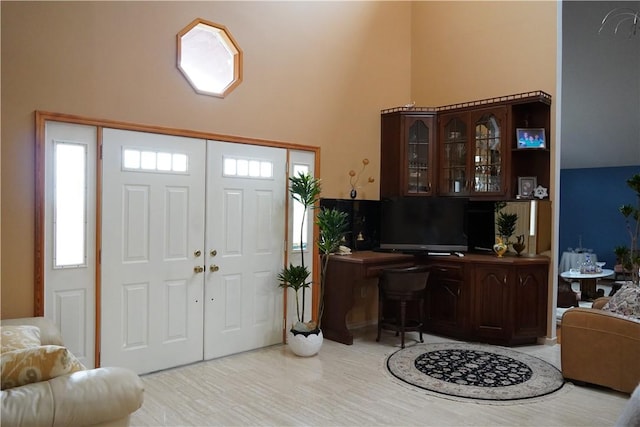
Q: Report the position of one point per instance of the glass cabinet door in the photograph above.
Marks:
(418, 156)
(453, 171)
(487, 160)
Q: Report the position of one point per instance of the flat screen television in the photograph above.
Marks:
(432, 224)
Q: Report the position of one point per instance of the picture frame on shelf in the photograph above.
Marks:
(526, 186)
(531, 138)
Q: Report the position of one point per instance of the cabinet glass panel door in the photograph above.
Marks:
(418, 157)
(454, 167)
(487, 160)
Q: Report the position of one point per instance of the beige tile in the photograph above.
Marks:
(346, 385)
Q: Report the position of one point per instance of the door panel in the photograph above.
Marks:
(153, 228)
(245, 238)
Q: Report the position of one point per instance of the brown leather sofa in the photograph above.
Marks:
(599, 347)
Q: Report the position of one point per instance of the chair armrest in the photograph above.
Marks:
(95, 396)
(600, 302)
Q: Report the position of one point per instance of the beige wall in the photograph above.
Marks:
(463, 51)
(315, 73)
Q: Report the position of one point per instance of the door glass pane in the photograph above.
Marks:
(298, 217)
(487, 157)
(418, 155)
(454, 168)
(70, 196)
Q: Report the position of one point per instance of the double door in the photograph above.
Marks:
(510, 303)
(473, 153)
(192, 240)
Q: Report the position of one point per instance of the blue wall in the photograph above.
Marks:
(589, 202)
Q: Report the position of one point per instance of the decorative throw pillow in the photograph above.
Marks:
(625, 302)
(30, 365)
(16, 337)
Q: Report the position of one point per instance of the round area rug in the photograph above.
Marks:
(475, 371)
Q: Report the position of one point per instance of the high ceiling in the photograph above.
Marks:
(600, 102)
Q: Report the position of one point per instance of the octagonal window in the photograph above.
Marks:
(209, 58)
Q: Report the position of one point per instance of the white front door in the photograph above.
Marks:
(246, 190)
(152, 240)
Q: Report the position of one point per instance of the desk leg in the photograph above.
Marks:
(588, 289)
(338, 301)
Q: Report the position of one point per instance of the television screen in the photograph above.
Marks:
(481, 226)
(437, 224)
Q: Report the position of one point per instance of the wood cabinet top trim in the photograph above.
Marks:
(517, 98)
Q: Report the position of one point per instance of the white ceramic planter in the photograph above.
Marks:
(305, 346)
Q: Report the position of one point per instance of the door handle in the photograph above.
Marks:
(197, 253)
(198, 269)
(213, 268)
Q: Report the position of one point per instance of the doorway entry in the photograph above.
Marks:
(190, 237)
(193, 235)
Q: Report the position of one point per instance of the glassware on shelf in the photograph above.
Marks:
(588, 266)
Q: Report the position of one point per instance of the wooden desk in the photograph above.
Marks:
(344, 272)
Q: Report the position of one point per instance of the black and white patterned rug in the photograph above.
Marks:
(475, 371)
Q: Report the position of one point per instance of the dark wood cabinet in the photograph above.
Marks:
(471, 150)
(530, 302)
(510, 301)
(407, 163)
(475, 298)
(474, 152)
(446, 300)
(488, 299)
(491, 302)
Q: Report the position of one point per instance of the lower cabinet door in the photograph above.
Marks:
(491, 314)
(530, 302)
(446, 302)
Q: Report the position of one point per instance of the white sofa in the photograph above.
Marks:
(94, 397)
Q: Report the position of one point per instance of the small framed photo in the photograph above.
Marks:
(531, 138)
(526, 186)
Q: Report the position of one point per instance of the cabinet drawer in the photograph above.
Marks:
(447, 271)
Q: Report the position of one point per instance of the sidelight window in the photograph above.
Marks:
(70, 205)
(298, 214)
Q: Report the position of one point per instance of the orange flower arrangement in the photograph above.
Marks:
(355, 177)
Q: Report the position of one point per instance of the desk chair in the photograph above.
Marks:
(396, 288)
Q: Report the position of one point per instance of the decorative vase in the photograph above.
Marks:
(305, 344)
(500, 248)
(519, 245)
(353, 193)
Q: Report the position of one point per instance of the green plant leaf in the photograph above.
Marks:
(333, 227)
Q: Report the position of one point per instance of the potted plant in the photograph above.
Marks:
(332, 225)
(506, 223)
(305, 336)
(630, 256)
